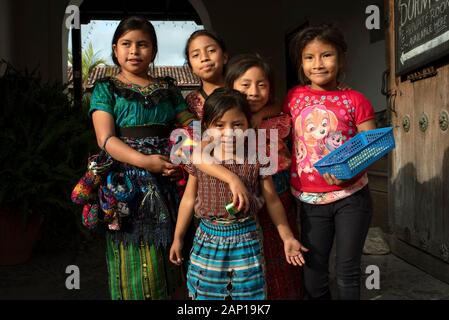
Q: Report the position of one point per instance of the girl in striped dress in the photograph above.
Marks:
(226, 260)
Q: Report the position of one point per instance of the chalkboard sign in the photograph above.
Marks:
(422, 33)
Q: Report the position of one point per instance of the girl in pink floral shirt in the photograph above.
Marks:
(323, 118)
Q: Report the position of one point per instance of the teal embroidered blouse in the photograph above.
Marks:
(132, 105)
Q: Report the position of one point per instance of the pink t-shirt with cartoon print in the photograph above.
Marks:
(322, 121)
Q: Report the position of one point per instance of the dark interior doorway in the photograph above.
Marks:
(291, 72)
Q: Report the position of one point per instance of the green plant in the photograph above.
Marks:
(89, 61)
(45, 142)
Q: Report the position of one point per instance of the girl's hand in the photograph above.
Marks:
(332, 180)
(240, 194)
(174, 174)
(157, 163)
(256, 120)
(176, 252)
(293, 254)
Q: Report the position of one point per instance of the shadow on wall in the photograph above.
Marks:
(419, 212)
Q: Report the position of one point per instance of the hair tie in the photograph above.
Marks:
(106, 141)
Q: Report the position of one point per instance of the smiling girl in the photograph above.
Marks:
(323, 117)
(133, 115)
(226, 261)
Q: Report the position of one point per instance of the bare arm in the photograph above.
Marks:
(275, 208)
(292, 247)
(185, 214)
(367, 125)
(105, 133)
(185, 211)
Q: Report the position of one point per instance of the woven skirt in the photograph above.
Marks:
(141, 272)
(226, 262)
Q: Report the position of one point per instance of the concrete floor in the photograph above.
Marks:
(398, 281)
(43, 277)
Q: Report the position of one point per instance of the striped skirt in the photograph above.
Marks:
(226, 262)
(141, 272)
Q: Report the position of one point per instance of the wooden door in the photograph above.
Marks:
(419, 165)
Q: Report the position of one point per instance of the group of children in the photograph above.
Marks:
(249, 251)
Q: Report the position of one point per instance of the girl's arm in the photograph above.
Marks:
(105, 133)
(185, 214)
(266, 112)
(292, 247)
(240, 194)
(367, 125)
(364, 126)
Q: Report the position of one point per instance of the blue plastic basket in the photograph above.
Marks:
(357, 154)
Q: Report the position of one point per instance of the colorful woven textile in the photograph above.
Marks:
(138, 272)
(226, 262)
(86, 187)
(213, 194)
(151, 199)
(90, 215)
(282, 124)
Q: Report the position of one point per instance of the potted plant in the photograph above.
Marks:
(44, 146)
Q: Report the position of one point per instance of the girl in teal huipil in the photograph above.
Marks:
(133, 115)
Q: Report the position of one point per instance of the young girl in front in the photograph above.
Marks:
(133, 114)
(324, 117)
(226, 261)
(251, 75)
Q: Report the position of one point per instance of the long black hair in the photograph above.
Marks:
(134, 23)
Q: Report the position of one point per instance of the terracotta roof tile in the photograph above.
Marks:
(182, 74)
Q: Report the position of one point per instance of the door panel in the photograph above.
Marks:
(419, 192)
